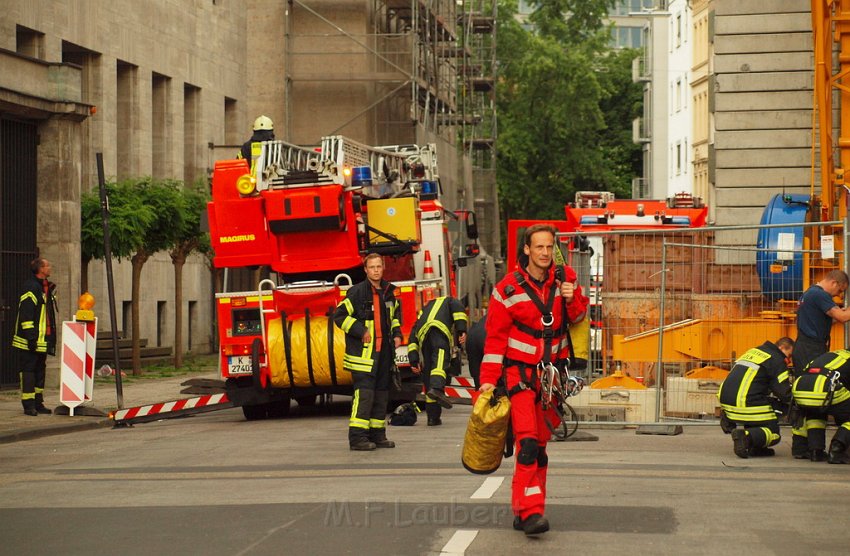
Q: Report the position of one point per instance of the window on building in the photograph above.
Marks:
(29, 42)
(678, 158)
(193, 317)
(127, 118)
(232, 133)
(161, 324)
(161, 144)
(191, 118)
(678, 30)
(678, 94)
(685, 156)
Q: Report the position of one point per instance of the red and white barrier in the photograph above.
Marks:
(77, 367)
(165, 410)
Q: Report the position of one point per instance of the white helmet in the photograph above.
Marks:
(263, 123)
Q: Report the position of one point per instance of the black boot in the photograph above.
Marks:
(741, 443)
(838, 453)
(799, 447)
(817, 455)
(29, 407)
(39, 405)
(441, 397)
(535, 524)
(358, 439)
(433, 411)
(379, 438)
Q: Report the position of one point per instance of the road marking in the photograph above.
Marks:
(459, 542)
(490, 486)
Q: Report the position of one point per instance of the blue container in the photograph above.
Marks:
(361, 176)
(782, 279)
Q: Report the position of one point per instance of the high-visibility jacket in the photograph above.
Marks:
(825, 381)
(515, 324)
(36, 314)
(744, 393)
(356, 314)
(438, 316)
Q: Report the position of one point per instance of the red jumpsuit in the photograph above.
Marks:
(515, 345)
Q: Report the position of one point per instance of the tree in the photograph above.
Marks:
(187, 238)
(555, 85)
(163, 198)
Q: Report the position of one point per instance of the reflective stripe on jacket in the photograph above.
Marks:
(35, 310)
(824, 381)
(439, 314)
(355, 315)
(744, 393)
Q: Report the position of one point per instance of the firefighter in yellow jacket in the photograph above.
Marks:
(823, 390)
(744, 397)
(35, 335)
(369, 316)
(432, 336)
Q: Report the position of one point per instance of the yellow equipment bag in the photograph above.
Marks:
(484, 443)
(580, 338)
(316, 365)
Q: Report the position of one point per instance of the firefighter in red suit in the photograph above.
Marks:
(527, 329)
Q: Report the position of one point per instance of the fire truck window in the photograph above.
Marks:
(246, 322)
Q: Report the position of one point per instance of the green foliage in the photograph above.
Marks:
(129, 219)
(188, 236)
(565, 105)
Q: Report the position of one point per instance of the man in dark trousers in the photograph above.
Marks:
(527, 318)
(35, 335)
(369, 315)
(824, 390)
(815, 313)
(432, 336)
(475, 348)
(744, 396)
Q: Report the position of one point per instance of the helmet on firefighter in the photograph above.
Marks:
(263, 123)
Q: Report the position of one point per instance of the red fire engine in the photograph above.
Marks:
(309, 215)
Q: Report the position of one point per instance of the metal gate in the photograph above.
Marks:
(18, 196)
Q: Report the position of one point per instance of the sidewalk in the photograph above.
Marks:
(15, 426)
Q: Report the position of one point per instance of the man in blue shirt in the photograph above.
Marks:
(815, 313)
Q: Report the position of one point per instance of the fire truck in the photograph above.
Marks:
(309, 215)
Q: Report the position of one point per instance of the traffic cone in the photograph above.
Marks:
(428, 270)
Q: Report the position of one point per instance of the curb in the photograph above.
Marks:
(52, 430)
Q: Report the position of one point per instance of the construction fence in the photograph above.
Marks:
(713, 293)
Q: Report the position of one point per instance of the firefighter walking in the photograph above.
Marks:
(527, 322)
(35, 335)
(745, 397)
(369, 316)
(821, 391)
(432, 336)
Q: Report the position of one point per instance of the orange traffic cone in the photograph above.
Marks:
(428, 270)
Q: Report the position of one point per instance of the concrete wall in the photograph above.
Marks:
(159, 74)
(762, 102)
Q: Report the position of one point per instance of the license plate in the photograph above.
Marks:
(239, 364)
(401, 359)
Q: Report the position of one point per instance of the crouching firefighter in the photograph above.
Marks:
(369, 316)
(744, 397)
(432, 336)
(527, 332)
(821, 391)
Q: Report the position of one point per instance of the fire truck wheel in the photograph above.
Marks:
(255, 412)
(279, 408)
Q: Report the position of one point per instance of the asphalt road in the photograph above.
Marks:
(217, 484)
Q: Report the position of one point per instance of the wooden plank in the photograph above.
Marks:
(763, 119)
(761, 23)
(778, 100)
(771, 42)
(762, 158)
(763, 81)
(763, 139)
(745, 63)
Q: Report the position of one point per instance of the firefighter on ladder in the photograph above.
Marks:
(432, 336)
(744, 397)
(251, 149)
(369, 316)
(526, 334)
(823, 390)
